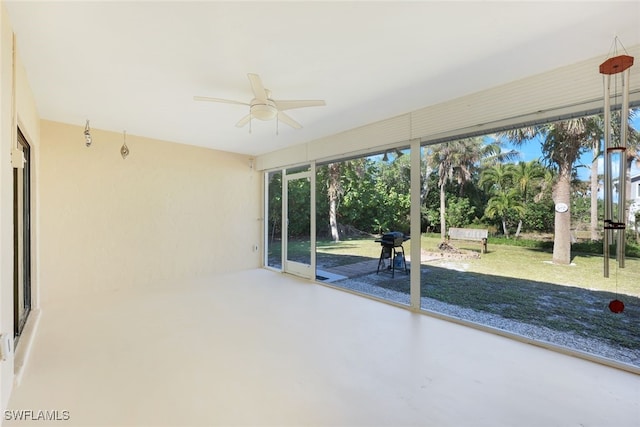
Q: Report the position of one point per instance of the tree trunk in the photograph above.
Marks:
(562, 224)
(443, 217)
(518, 229)
(333, 220)
(424, 189)
(334, 191)
(595, 230)
(504, 228)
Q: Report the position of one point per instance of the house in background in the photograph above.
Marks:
(635, 188)
(111, 267)
(635, 198)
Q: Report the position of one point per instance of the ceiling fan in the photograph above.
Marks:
(263, 107)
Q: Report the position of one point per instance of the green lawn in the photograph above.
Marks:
(585, 272)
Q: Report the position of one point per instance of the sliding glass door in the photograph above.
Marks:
(290, 223)
(297, 235)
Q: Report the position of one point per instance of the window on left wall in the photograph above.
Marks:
(21, 239)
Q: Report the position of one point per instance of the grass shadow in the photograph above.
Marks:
(324, 260)
(562, 308)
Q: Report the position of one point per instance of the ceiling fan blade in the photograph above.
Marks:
(243, 121)
(291, 104)
(225, 101)
(256, 85)
(284, 118)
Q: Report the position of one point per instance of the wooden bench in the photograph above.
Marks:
(470, 234)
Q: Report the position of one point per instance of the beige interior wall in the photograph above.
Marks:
(28, 120)
(6, 205)
(17, 108)
(167, 212)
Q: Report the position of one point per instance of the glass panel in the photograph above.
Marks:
(299, 220)
(363, 223)
(274, 220)
(298, 169)
(542, 210)
(22, 239)
(19, 247)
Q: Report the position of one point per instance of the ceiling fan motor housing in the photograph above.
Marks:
(263, 110)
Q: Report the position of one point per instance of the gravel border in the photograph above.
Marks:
(537, 333)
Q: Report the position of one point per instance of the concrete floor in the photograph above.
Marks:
(261, 348)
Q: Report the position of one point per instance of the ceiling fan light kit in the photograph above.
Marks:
(265, 108)
(264, 112)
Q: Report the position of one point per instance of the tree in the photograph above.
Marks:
(394, 189)
(425, 172)
(595, 180)
(497, 178)
(452, 160)
(510, 186)
(460, 213)
(334, 191)
(528, 177)
(503, 205)
(563, 143)
(275, 205)
(367, 194)
(458, 160)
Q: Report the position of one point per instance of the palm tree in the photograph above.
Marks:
(496, 178)
(595, 178)
(563, 143)
(503, 205)
(458, 160)
(528, 177)
(512, 180)
(445, 157)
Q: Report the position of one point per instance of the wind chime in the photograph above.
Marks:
(615, 152)
(124, 150)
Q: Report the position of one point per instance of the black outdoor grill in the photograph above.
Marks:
(392, 250)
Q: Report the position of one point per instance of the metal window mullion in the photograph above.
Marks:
(312, 222)
(415, 243)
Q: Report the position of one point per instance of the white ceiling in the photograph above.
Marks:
(136, 66)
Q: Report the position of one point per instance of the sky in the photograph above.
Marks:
(532, 151)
